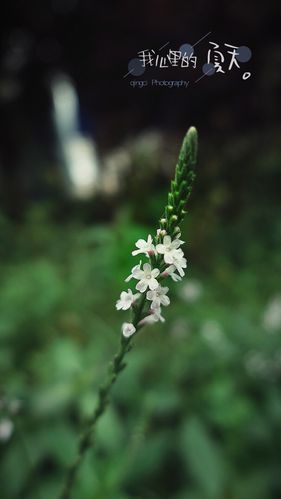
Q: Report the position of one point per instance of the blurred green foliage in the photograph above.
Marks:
(197, 412)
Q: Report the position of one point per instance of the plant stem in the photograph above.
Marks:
(85, 441)
(138, 312)
(115, 368)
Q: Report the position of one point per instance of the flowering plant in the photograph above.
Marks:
(166, 258)
(165, 261)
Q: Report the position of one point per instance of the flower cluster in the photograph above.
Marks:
(163, 251)
(166, 259)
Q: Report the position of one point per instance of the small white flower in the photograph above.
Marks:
(126, 300)
(156, 315)
(170, 271)
(179, 261)
(153, 317)
(146, 247)
(168, 248)
(158, 297)
(146, 277)
(128, 329)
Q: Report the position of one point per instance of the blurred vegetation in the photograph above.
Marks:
(197, 412)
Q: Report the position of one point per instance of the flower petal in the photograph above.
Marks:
(160, 248)
(175, 277)
(147, 267)
(155, 304)
(155, 272)
(138, 274)
(167, 240)
(153, 283)
(141, 286)
(165, 300)
(140, 243)
(168, 257)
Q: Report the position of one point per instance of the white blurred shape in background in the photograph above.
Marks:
(272, 315)
(80, 160)
(6, 429)
(191, 291)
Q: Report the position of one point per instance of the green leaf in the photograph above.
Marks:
(203, 458)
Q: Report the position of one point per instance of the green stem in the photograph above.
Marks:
(139, 310)
(85, 441)
(115, 368)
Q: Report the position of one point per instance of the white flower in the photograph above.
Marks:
(168, 248)
(156, 315)
(179, 261)
(170, 271)
(128, 329)
(158, 297)
(153, 317)
(146, 277)
(126, 300)
(134, 273)
(146, 247)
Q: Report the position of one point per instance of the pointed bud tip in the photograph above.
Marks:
(192, 135)
(191, 144)
(192, 130)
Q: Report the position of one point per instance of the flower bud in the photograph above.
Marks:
(128, 329)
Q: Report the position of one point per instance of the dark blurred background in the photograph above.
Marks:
(85, 165)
